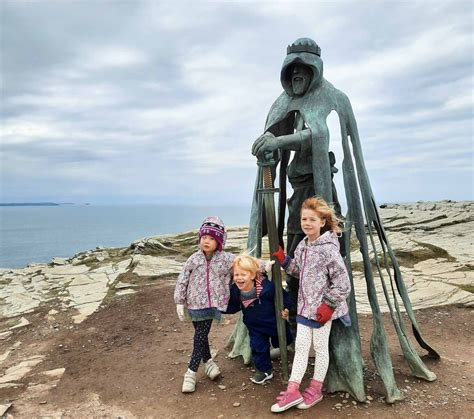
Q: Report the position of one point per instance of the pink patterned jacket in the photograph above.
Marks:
(205, 283)
(323, 276)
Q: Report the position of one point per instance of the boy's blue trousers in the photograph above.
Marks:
(260, 345)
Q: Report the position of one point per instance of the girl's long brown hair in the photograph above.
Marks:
(325, 212)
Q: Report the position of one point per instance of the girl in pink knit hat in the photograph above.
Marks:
(203, 288)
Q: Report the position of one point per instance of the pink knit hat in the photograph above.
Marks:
(214, 227)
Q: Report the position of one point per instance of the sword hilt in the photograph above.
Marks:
(267, 177)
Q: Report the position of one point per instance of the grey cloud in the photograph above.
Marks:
(151, 100)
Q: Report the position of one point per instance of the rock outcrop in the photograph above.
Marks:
(433, 242)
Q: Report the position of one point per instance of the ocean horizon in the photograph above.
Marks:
(36, 234)
(31, 233)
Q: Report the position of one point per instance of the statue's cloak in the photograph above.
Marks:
(318, 102)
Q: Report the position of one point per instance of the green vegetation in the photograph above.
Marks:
(407, 259)
(466, 287)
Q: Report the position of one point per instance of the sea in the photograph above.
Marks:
(36, 234)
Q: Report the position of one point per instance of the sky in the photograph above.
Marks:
(131, 102)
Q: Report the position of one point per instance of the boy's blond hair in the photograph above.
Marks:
(247, 263)
(325, 212)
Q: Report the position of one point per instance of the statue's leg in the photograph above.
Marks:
(336, 203)
(338, 211)
(292, 283)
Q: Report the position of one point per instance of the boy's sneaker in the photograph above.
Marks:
(260, 377)
(211, 369)
(189, 382)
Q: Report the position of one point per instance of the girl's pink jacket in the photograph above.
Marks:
(323, 276)
(205, 283)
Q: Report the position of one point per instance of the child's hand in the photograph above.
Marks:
(285, 314)
(324, 313)
(280, 255)
(268, 265)
(180, 311)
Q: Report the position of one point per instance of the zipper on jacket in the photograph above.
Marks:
(207, 282)
(301, 280)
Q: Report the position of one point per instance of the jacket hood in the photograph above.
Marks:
(326, 238)
(312, 60)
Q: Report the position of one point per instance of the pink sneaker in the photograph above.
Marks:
(288, 398)
(311, 395)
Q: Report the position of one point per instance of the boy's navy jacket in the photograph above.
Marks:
(259, 316)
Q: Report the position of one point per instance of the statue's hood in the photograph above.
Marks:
(313, 61)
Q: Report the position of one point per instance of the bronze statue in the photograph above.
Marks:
(297, 122)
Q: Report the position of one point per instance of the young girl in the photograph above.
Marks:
(324, 287)
(204, 287)
(254, 294)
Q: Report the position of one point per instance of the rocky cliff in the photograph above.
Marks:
(433, 242)
(57, 359)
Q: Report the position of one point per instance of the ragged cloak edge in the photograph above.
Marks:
(346, 364)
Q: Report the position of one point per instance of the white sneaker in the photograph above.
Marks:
(212, 370)
(189, 382)
(274, 353)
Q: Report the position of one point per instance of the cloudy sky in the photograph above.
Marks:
(153, 102)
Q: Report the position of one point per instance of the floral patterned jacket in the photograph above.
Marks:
(205, 283)
(323, 276)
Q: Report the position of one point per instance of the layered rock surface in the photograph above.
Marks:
(433, 242)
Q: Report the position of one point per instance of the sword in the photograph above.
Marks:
(268, 199)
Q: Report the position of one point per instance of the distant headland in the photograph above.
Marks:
(35, 204)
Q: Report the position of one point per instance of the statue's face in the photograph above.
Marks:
(300, 79)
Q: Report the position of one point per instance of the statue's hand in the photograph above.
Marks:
(264, 145)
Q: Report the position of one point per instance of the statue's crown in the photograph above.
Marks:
(304, 45)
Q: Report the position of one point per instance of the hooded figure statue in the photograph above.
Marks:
(297, 122)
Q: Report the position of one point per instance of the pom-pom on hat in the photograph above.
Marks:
(213, 226)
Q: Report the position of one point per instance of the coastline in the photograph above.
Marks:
(69, 328)
(37, 234)
(432, 242)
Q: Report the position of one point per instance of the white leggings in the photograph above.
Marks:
(320, 338)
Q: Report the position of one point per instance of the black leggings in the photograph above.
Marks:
(201, 349)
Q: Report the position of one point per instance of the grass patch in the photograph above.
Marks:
(408, 259)
(465, 268)
(184, 244)
(466, 287)
(438, 252)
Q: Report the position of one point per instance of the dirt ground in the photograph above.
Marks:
(128, 358)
